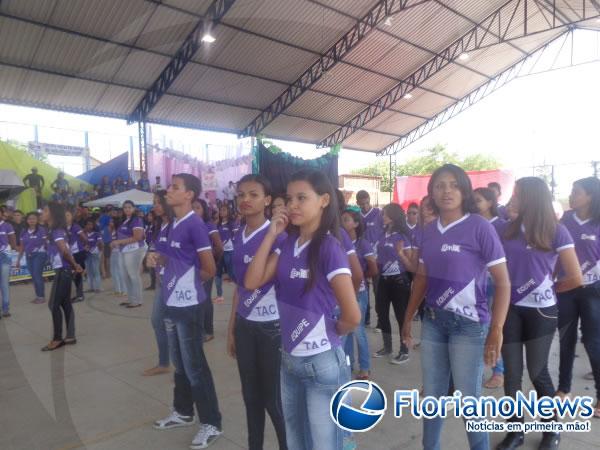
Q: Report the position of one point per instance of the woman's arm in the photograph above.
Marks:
(357, 272)
(231, 326)
(500, 305)
(345, 294)
(264, 264)
(217, 245)
(573, 277)
(372, 269)
(208, 267)
(63, 248)
(406, 257)
(417, 295)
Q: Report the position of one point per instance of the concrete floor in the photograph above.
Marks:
(92, 395)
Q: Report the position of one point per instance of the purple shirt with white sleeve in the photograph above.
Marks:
(363, 249)
(259, 305)
(6, 229)
(227, 231)
(125, 231)
(586, 236)
(308, 325)
(34, 241)
(531, 270)
(374, 228)
(387, 256)
(93, 239)
(181, 283)
(57, 259)
(456, 259)
(75, 244)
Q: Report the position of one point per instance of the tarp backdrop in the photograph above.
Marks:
(279, 167)
(414, 188)
(116, 167)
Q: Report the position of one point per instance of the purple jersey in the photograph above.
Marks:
(57, 260)
(6, 229)
(586, 236)
(75, 244)
(259, 305)
(93, 239)
(160, 244)
(125, 231)
(363, 249)
(531, 270)
(387, 256)
(182, 285)
(347, 243)
(374, 228)
(502, 212)
(456, 259)
(498, 223)
(34, 241)
(226, 232)
(308, 325)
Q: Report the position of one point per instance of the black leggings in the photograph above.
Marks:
(394, 290)
(533, 328)
(60, 297)
(78, 277)
(259, 359)
(209, 327)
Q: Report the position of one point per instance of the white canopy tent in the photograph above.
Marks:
(10, 185)
(139, 198)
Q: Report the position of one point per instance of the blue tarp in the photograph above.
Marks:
(116, 167)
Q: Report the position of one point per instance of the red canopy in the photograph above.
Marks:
(414, 188)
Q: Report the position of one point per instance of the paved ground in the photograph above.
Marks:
(92, 395)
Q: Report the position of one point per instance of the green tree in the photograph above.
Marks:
(424, 164)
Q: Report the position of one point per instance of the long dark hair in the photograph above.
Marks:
(330, 220)
(535, 213)
(591, 186)
(129, 202)
(57, 216)
(464, 185)
(37, 225)
(489, 196)
(161, 195)
(398, 218)
(360, 229)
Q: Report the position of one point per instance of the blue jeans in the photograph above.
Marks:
(193, 380)
(364, 360)
(4, 281)
(92, 265)
(132, 267)
(35, 265)
(159, 310)
(451, 345)
(307, 385)
(224, 266)
(116, 272)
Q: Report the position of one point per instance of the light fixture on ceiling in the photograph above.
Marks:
(388, 22)
(464, 56)
(208, 38)
(408, 96)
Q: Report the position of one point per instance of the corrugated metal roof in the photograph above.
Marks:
(368, 140)
(396, 123)
(165, 30)
(298, 129)
(194, 6)
(324, 107)
(18, 41)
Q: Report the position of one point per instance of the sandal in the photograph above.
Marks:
(495, 381)
(124, 304)
(50, 347)
(134, 305)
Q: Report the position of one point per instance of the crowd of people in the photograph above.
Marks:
(489, 283)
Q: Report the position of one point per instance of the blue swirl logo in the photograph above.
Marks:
(363, 418)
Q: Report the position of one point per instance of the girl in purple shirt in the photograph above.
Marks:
(254, 333)
(77, 242)
(582, 303)
(8, 241)
(33, 245)
(227, 228)
(312, 276)
(533, 244)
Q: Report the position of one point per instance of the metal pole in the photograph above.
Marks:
(86, 156)
(391, 183)
(131, 170)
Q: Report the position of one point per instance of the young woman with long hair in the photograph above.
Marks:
(457, 335)
(115, 260)
(63, 264)
(227, 228)
(94, 248)
(132, 248)
(583, 303)
(8, 241)
(202, 210)
(163, 216)
(312, 276)
(395, 261)
(353, 224)
(77, 242)
(254, 334)
(277, 205)
(33, 245)
(533, 244)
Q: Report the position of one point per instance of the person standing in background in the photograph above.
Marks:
(8, 242)
(143, 183)
(157, 186)
(93, 251)
(18, 225)
(60, 184)
(33, 245)
(36, 182)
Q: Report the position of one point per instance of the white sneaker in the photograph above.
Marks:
(174, 420)
(207, 434)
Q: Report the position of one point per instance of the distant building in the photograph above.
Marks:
(351, 184)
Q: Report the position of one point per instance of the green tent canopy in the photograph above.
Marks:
(13, 158)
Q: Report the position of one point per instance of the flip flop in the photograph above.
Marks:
(124, 304)
(137, 305)
(47, 348)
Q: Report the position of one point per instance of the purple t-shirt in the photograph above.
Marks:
(308, 324)
(75, 244)
(160, 244)
(227, 231)
(347, 242)
(363, 249)
(586, 236)
(502, 212)
(259, 305)
(387, 257)
(498, 223)
(182, 286)
(373, 221)
(531, 270)
(34, 241)
(456, 259)
(125, 231)
(93, 239)
(57, 260)
(6, 229)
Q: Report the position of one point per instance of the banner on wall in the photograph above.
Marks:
(413, 188)
(22, 273)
